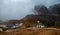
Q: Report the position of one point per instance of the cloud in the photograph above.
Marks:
(46, 2)
(17, 9)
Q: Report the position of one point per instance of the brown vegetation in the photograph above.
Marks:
(32, 31)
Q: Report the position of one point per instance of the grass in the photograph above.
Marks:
(32, 31)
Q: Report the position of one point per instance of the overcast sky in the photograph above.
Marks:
(18, 9)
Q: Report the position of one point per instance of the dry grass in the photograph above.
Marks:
(32, 31)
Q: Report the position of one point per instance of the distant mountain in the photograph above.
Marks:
(43, 17)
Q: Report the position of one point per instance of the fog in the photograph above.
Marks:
(18, 9)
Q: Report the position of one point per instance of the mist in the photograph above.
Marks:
(18, 9)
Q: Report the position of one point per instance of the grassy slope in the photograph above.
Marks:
(32, 31)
